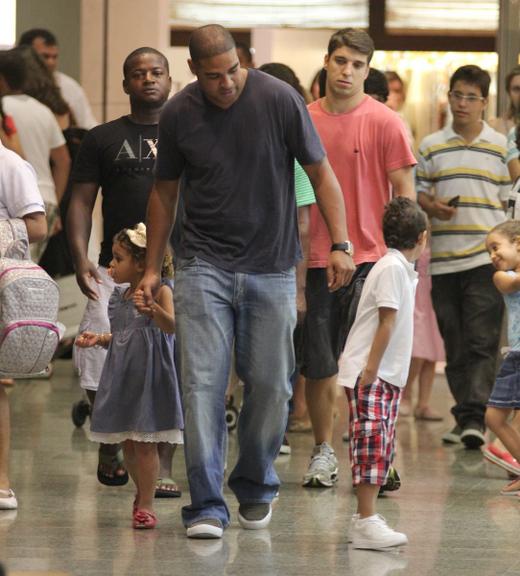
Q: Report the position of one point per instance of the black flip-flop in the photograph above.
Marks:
(165, 493)
(115, 462)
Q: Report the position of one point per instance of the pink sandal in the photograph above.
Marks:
(143, 519)
(512, 489)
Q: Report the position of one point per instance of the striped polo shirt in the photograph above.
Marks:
(478, 174)
(302, 187)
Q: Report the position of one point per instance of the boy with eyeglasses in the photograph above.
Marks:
(463, 184)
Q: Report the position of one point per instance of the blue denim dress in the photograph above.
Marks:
(138, 396)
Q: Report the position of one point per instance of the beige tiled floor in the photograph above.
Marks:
(449, 506)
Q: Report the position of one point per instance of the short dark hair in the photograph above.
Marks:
(12, 68)
(139, 52)
(403, 222)
(245, 49)
(354, 38)
(208, 41)
(29, 36)
(474, 75)
(376, 84)
(284, 73)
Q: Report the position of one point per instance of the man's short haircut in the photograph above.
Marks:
(473, 75)
(12, 68)
(29, 36)
(208, 41)
(354, 38)
(138, 52)
(403, 222)
(376, 84)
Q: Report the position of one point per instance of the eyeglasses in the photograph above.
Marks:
(470, 98)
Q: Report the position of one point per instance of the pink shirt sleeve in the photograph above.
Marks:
(398, 153)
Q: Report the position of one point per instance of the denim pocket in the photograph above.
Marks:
(185, 263)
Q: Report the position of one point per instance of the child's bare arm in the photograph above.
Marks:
(89, 339)
(161, 311)
(506, 283)
(379, 344)
(163, 314)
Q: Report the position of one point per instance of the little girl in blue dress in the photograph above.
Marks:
(138, 402)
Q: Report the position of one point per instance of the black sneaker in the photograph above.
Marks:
(285, 448)
(205, 529)
(393, 482)
(453, 436)
(255, 516)
(473, 436)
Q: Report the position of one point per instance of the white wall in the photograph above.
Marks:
(302, 50)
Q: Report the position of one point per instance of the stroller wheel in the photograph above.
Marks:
(231, 417)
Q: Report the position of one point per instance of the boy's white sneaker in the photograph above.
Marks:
(353, 520)
(373, 533)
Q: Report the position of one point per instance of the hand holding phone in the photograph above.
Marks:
(454, 202)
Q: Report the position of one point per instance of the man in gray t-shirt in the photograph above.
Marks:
(233, 137)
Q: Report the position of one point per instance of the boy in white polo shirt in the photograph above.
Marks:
(374, 367)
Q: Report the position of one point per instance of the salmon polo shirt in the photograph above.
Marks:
(362, 146)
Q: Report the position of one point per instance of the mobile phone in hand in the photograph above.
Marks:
(454, 202)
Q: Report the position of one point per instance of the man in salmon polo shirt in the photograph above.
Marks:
(368, 149)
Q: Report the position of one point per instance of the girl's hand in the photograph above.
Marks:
(87, 340)
(140, 303)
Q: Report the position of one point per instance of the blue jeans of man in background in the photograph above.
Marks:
(215, 308)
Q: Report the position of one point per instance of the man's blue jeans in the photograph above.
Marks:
(216, 309)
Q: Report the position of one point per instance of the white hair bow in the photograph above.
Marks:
(137, 235)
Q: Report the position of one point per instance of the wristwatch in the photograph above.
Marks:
(346, 247)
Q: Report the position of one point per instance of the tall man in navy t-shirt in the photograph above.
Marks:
(232, 137)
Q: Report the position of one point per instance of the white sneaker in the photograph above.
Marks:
(353, 520)
(8, 500)
(373, 533)
(323, 468)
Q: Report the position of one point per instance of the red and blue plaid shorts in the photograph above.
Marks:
(373, 415)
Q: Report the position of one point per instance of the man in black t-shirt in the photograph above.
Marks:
(119, 158)
(233, 136)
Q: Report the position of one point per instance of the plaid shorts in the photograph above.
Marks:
(373, 415)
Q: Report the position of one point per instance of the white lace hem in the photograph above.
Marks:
(169, 436)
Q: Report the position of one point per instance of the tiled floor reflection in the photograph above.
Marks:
(449, 506)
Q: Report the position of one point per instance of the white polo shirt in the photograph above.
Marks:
(39, 133)
(76, 98)
(19, 194)
(478, 174)
(390, 284)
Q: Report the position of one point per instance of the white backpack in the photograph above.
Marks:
(29, 301)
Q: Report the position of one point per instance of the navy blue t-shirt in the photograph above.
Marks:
(238, 172)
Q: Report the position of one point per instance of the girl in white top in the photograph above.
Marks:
(19, 198)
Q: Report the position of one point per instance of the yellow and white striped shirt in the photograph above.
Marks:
(475, 172)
